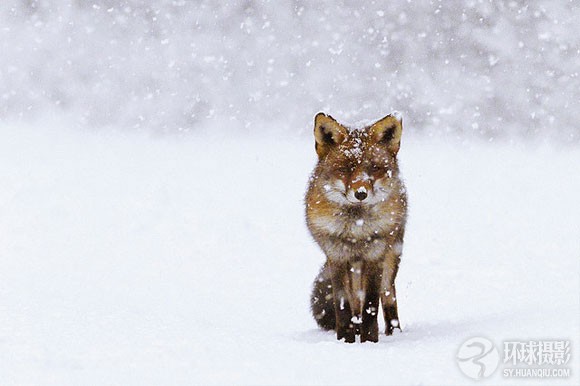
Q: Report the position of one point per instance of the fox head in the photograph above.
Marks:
(357, 166)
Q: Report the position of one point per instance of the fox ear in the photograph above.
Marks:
(327, 133)
(388, 131)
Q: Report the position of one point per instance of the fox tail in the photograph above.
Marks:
(321, 300)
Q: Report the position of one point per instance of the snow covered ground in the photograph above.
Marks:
(131, 259)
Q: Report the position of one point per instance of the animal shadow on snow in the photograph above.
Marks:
(413, 332)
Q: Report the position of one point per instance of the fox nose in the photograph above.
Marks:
(360, 195)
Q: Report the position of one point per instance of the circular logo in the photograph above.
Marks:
(477, 358)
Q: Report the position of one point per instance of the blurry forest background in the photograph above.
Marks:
(488, 69)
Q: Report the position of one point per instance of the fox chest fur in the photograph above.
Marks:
(355, 232)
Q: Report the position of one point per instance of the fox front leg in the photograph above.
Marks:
(389, 294)
(370, 311)
(344, 325)
(390, 312)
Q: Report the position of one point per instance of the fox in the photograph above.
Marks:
(356, 211)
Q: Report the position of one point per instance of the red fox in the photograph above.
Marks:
(356, 210)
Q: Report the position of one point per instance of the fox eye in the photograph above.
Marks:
(375, 168)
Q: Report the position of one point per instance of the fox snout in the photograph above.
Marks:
(360, 194)
(360, 188)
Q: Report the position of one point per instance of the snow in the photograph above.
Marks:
(127, 258)
(154, 157)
